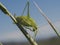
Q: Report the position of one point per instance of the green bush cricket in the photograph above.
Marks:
(27, 21)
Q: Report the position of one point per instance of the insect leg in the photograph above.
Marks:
(28, 28)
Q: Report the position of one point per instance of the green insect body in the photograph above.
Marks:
(28, 22)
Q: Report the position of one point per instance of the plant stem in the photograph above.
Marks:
(48, 20)
(31, 40)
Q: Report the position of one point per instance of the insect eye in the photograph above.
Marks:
(33, 29)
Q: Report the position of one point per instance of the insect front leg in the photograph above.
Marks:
(29, 28)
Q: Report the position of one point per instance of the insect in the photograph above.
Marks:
(27, 21)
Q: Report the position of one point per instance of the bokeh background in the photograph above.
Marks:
(11, 35)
